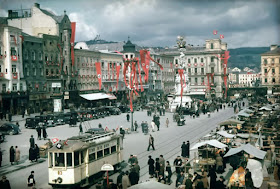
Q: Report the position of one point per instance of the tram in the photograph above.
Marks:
(77, 162)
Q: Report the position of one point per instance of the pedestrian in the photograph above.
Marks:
(133, 177)
(157, 167)
(163, 110)
(220, 183)
(213, 176)
(219, 164)
(157, 122)
(119, 179)
(36, 152)
(161, 164)
(99, 125)
(17, 152)
(143, 125)
(132, 160)
(10, 117)
(137, 168)
(127, 117)
(0, 157)
(204, 179)
(180, 178)
(122, 132)
(31, 154)
(12, 155)
(31, 180)
(199, 184)
(178, 163)
(4, 183)
(188, 183)
(167, 122)
(188, 149)
(17, 124)
(151, 143)
(22, 113)
(153, 125)
(169, 172)
(135, 126)
(38, 129)
(125, 181)
(45, 135)
(184, 149)
(81, 128)
(151, 163)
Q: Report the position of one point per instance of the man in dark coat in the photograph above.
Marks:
(189, 183)
(151, 143)
(151, 163)
(119, 179)
(31, 180)
(32, 142)
(188, 149)
(12, 155)
(127, 117)
(213, 176)
(183, 151)
(133, 177)
(178, 163)
(45, 135)
(4, 183)
(81, 127)
(38, 129)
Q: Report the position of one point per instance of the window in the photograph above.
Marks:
(46, 58)
(13, 51)
(113, 149)
(126, 56)
(212, 46)
(102, 64)
(195, 60)
(189, 70)
(33, 55)
(202, 70)
(273, 80)
(76, 159)
(176, 61)
(265, 61)
(131, 56)
(190, 79)
(59, 159)
(212, 58)
(92, 157)
(265, 80)
(106, 151)
(14, 68)
(14, 87)
(272, 60)
(212, 69)
(195, 80)
(100, 154)
(20, 87)
(202, 80)
(40, 56)
(201, 60)
(195, 70)
(273, 70)
(82, 157)
(69, 159)
(47, 71)
(51, 159)
(265, 70)
(4, 87)
(189, 60)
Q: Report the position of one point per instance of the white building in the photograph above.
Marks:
(248, 79)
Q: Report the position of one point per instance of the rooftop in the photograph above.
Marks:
(273, 52)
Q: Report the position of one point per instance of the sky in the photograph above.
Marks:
(244, 23)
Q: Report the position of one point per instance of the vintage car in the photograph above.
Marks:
(30, 123)
(9, 129)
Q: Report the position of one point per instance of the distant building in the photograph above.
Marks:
(270, 68)
(248, 79)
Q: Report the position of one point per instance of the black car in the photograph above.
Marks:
(96, 131)
(67, 117)
(124, 109)
(94, 113)
(59, 119)
(113, 110)
(30, 123)
(9, 129)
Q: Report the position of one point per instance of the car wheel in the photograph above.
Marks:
(11, 133)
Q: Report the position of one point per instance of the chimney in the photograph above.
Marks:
(37, 5)
(272, 47)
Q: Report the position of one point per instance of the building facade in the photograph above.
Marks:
(270, 69)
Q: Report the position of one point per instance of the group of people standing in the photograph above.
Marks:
(34, 151)
(14, 155)
(41, 130)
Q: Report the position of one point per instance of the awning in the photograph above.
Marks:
(249, 149)
(231, 122)
(95, 96)
(111, 96)
(214, 143)
(225, 134)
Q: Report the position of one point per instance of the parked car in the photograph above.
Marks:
(113, 110)
(9, 129)
(59, 119)
(96, 131)
(94, 113)
(30, 123)
(50, 123)
(124, 109)
(67, 117)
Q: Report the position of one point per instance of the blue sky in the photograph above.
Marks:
(244, 23)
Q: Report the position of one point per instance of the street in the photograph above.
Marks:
(167, 141)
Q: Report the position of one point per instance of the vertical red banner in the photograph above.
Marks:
(72, 40)
(118, 73)
(98, 72)
(113, 75)
(108, 71)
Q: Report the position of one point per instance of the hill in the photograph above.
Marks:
(246, 57)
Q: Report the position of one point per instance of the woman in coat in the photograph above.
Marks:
(204, 179)
(168, 170)
(12, 155)
(17, 155)
(157, 169)
(151, 164)
(125, 181)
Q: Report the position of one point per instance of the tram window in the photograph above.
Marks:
(76, 158)
(113, 149)
(50, 159)
(82, 157)
(69, 159)
(59, 159)
(100, 154)
(106, 151)
(92, 157)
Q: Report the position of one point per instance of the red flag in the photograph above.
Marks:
(113, 76)
(140, 78)
(108, 71)
(118, 73)
(215, 32)
(221, 36)
(98, 72)
(72, 40)
(131, 105)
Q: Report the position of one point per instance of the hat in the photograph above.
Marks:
(4, 177)
(32, 171)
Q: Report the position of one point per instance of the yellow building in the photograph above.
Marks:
(270, 69)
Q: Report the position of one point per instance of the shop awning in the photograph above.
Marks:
(95, 96)
(249, 149)
(231, 122)
(213, 143)
(111, 96)
(225, 134)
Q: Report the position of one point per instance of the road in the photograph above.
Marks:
(167, 141)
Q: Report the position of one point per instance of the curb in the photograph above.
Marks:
(19, 167)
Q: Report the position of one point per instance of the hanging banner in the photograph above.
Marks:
(108, 73)
(113, 75)
(118, 73)
(72, 40)
(98, 72)
(183, 80)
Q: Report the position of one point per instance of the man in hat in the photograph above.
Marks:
(4, 183)
(151, 143)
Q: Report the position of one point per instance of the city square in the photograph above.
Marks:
(162, 100)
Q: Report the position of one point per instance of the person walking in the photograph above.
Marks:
(12, 155)
(167, 122)
(38, 129)
(188, 149)
(204, 179)
(163, 110)
(31, 180)
(127, 117)
(153, 125)
(151, 163)
(213, 176)
(45, 135)
(133, 177)
(188, 182)
(80, 128)
(184, 150)
(151, 143)
(135, 126)
(168, 170)
(4, 183)
(17, 155)
(142, 126)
